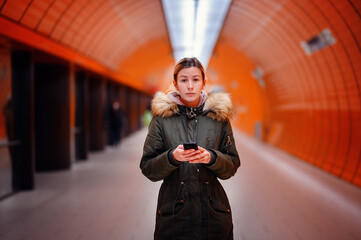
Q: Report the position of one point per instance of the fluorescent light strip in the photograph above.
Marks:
(194, 26)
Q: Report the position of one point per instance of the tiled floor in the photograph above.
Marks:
(273, 196)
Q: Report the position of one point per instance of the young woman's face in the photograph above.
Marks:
(189, 84)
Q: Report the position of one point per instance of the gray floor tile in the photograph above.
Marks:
(273, 196)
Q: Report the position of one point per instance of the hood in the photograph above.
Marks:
(218, 106)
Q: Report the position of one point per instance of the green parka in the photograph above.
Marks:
(192, 204)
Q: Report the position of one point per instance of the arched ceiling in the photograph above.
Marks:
(99, 34)
(306, 104)
(107, 35)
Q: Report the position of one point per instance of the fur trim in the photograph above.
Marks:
(163, 106)
(218, 105)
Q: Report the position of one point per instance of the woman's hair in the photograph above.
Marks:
(186, 63)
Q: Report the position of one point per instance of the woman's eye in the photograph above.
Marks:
(183, 80)
(196, 79)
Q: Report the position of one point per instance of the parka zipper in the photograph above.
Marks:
(196, 131)
(229, 143)
(185, 123)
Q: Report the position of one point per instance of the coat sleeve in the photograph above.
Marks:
(155, 163)
(227, 159)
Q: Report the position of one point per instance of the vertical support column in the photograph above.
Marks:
(133, 110)
(82, 116)
(124, 106)
(23, 94)
(109, 100)
(97, 97)
(137, 111)
(113, 95)
(72, 100)
(52, 117)
(7, 140)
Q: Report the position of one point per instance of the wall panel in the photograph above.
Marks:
(314, 100)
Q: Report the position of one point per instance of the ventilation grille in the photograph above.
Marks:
(322, 40)
(258, 74)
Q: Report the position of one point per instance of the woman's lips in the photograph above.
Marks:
(190, 94)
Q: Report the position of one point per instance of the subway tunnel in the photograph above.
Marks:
(293, 69)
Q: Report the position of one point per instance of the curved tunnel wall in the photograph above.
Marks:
(101, 35)
(310, 105)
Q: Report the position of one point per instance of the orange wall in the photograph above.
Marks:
(312, 103)
(233, 69)
(150, 64)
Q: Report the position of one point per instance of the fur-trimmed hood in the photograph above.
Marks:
(218, 106)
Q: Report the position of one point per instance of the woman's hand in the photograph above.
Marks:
(202, 157)
(184, 155)
(192, 156)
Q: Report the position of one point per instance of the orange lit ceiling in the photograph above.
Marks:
(101, 35)
(309, 106)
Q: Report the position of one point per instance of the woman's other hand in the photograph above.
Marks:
(203, 156)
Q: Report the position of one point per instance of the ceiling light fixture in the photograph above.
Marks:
(194, 26)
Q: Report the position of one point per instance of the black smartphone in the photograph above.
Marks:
(190, 145)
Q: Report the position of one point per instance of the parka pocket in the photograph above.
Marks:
(171, 208)
(215, 202)
(220, 224)
(218, 206)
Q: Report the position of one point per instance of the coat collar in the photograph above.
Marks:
(190, 112)
(218, 106)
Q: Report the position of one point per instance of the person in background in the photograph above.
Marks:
(116, 122)
(192, 203)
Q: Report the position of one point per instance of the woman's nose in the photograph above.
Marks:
(190, 85)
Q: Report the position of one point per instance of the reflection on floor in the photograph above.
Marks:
(273, 196)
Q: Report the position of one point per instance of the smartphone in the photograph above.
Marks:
(190, 145)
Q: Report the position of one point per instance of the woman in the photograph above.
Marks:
(192, 204)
